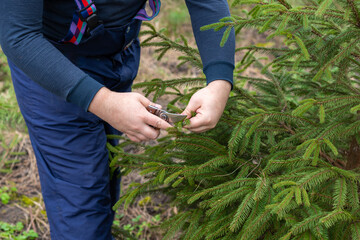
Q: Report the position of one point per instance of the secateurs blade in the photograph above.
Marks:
(169, 117)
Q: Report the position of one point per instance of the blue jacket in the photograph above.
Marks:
(26, 27)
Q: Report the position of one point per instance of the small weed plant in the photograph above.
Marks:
(6, 194)
(138, 229)
(15, 232)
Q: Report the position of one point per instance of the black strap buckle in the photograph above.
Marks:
(92, 20)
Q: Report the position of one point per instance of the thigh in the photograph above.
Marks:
(70, 147)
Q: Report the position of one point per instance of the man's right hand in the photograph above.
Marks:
(127, 113)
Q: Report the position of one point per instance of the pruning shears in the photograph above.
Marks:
(169, 117)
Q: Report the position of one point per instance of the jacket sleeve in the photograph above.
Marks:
(218, 62)
(23, 43)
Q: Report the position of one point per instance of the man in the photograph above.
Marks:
(73, 87)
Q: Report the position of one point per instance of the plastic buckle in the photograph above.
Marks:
(92, 20)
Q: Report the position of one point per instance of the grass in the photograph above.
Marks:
(10, 116)
(12, 124)
(13, 134)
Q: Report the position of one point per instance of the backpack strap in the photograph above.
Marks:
(155, 7)
(85, 19)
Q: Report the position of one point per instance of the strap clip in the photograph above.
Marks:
(92, 19)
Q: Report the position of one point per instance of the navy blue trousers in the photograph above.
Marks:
(70, 143)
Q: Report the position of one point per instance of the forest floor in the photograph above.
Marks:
(18, 164)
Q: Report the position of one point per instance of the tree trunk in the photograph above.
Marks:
(353, 158)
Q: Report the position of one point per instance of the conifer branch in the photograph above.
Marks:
(332, 161)
(288, 128)
(286, 4)
(265, 49)
(281, 128)
(341, 54)
(326, 15)
(355, 11)
(252, 99)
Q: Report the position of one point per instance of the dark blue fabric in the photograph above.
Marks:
(218, 62)
(113, 13)
(27, 26)
(106, 47)
(70, 144)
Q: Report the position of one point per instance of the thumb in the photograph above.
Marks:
(192, 107)
(146, 102)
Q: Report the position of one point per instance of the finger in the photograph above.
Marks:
(150, 132)
(146, 102)
(198, 121)
(156, 105)
(145, 133)
(200, 129)
(140, 137)
(133, 138)
(156, 122)
(191, 108)
(187, 112)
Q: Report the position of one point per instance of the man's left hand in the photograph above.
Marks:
(208, 104)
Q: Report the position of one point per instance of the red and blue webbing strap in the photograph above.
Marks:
(78, 26)
(87, 8)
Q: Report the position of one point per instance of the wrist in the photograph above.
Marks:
(221, 85)
(97, 105)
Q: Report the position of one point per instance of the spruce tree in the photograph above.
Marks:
(283, 162)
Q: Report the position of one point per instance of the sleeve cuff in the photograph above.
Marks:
(83, 93)
(219, 71)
